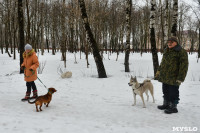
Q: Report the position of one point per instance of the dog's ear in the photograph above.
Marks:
(131, 76)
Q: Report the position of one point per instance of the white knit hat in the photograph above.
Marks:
(28, 47)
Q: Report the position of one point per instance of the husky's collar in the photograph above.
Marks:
(140, 85)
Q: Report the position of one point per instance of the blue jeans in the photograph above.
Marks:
(171, 93)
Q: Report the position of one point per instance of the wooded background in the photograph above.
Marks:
(58, 25)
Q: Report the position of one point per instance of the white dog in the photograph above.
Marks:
(140, 88)
(67, 74)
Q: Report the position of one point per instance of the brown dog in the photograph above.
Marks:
(46, 99)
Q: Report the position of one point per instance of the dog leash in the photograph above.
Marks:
(42, 83)
(37, 78)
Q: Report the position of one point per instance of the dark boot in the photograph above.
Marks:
(27, 96)
(164, 106)
(172, 108)
(35, 95)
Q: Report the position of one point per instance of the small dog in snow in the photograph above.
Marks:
(140, 88)
(46, 99)
(67, 74)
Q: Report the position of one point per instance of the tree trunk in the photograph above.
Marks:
(14, 47)
(21, 31)
(1, 39)
(53, 43)
(166, 26)
(199, 34)
(128, 33)
(14, 28)
(199, 45)
(162, 28)
(47, 43)
(14, 38)
(28, 23)
(175, 17)
(63, 43)
(92, 42)
(152, 37)
(42, 28)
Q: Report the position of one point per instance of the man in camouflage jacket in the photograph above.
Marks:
(172, 72)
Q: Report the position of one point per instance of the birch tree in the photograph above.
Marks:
(175, 17)
(152, 36)
(128, 34)
(166, 27)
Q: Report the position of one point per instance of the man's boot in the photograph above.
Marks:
(172, 108)
(164, 106)
(27, 96)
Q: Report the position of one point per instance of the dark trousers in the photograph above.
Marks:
(30, 85)
(171, 93)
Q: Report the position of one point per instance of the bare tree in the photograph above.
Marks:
(2, 26)
(63, 28)
(28, 22)
(183, 18)
(197, 14)
(198, 18)
(14, 28)
(152, 37)
(92, 42)
(166, 21)
(42, 28)
(63, 43)
(128, 33)
(175, 17)
(21, 31)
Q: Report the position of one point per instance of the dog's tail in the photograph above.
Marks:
(146, 80)
(31, 102)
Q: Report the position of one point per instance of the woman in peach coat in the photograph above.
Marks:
(30, 66)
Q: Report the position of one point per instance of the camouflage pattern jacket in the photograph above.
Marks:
(174, 66)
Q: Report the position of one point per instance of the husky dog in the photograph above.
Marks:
(140, 88)
(67, 74)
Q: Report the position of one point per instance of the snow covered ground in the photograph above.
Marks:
(87, 104)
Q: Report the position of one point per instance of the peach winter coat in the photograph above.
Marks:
(30, 62)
